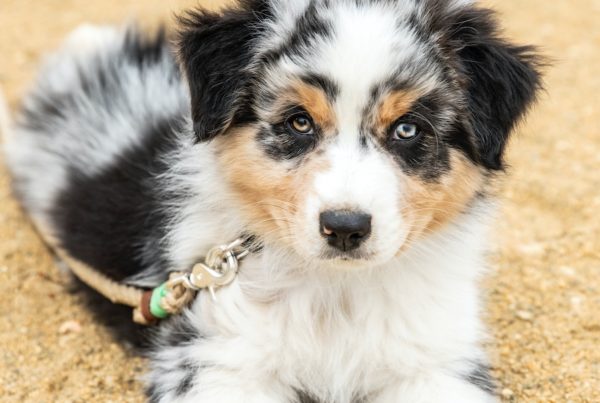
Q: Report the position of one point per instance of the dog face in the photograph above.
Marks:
(349, 129)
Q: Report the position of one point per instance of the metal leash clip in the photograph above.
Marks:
(218, 269)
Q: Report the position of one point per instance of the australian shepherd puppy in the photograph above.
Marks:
(353, 139)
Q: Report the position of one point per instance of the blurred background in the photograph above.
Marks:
(543, 295)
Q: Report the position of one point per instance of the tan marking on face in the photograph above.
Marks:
(315, 101)
(430, 206)
(392, 107)
(270, 192)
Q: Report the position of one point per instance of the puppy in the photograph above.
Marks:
(353, 139)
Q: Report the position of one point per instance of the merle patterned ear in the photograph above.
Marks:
(502, 81)
(215, 51)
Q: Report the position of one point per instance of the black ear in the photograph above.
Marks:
(502, 80)
(215, 51)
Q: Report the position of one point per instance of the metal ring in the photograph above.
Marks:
(243, 253)
(232, 261)
(237, 243)
(188, 283)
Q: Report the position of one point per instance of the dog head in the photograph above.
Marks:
(350, 129)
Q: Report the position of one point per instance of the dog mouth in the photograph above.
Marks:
(353, 257)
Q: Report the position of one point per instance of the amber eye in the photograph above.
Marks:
(405, 131)
(300, 124)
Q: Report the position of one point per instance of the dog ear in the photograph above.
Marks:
(215, 50)
(502, 81)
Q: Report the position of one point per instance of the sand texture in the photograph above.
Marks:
(544, 291)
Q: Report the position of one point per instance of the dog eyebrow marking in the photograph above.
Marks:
(316, 102)
(393, 106)
(327, 85)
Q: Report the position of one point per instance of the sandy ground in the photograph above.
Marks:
(544, 295)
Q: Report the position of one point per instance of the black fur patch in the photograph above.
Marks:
(482, 378)
(427, 155)
(215, 50)
(303, 397)
(144, 51)
(280, 143)
(152, 393)
(306, 397)
(175, 333)
(113, 221)
(187, 381)
(502, 80)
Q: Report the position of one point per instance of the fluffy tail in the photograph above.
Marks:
(5, 132)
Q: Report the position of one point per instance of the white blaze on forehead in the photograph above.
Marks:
(367, 47)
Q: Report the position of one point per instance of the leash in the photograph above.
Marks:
(219, 269)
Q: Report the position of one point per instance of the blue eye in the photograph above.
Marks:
(405, 131)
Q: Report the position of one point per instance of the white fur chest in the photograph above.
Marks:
(343, 335)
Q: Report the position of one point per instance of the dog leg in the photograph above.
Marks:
(188, 366)
(217, 385)
(437, 388)
(231, 392)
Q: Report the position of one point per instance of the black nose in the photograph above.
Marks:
(345, 230)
